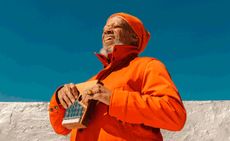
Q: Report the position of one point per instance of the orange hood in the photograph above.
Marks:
(137, 27)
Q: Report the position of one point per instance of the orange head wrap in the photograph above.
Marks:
(137, 27)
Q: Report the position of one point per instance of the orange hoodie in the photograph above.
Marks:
(144, 98)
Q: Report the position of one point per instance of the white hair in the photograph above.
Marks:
(105, 50)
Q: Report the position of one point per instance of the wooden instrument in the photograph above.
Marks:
(77, 115)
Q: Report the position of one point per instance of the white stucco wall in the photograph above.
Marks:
(206, 121)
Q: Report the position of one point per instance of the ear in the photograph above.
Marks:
(134, 39)
(134, 36)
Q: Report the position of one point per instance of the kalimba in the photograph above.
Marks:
(77, 115)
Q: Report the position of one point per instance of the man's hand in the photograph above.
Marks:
(98, 92)
(67, 95)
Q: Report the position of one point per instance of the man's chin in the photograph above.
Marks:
(106, 50)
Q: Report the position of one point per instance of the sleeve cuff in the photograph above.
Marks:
(55, 103)
(118, 104)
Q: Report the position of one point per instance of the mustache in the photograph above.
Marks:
(105, 37)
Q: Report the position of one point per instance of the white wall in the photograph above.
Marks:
(206, 121)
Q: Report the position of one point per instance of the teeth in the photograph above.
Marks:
(108, 38)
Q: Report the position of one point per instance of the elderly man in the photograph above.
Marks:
(137, 98)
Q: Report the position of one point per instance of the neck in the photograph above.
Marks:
(120, 53)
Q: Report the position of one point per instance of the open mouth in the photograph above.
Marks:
(108, 38)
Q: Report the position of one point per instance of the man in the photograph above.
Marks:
(137, 98)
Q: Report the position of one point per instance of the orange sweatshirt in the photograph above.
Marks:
(144, 100)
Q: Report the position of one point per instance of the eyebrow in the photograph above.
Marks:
(122, 24)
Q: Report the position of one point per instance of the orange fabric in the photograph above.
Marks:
(56, 114)
(144, 100)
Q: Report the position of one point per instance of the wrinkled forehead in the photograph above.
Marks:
(116, 20)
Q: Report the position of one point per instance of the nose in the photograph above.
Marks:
(108, 31)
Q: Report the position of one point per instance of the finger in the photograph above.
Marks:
(66, 98)
(70, 97)
(87, 98)
(96, 96)
(63, 103)
(74, 90)
(89, 92)
(96, 88)
(93, 90)
(102, 97)
(59, 95)
(67, 101)
(101, 88)
(69, 94)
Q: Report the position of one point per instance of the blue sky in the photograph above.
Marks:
(44, 44)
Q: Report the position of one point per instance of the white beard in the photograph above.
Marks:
(105, 50)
